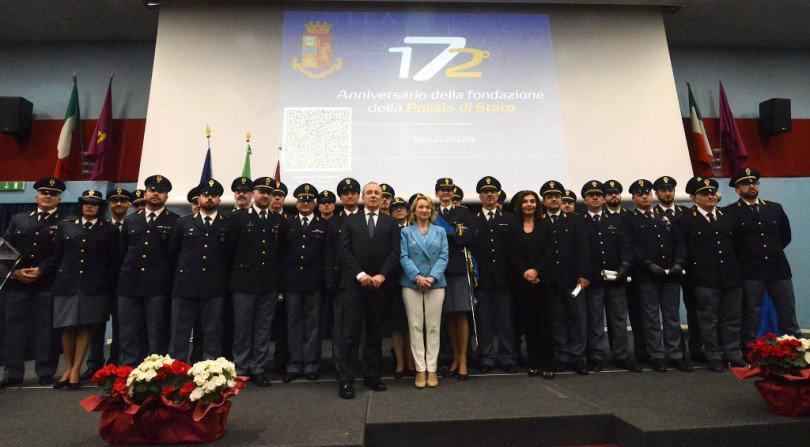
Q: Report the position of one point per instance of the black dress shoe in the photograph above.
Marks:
(60, 384)
(5, 383)
(626, 364)
(659, 365)
(346, 390)
(548, 375)
(291, 376)
(534, 372)
(580, 368)
(311, 376)
(374, 384)
(560, 367)
(485, 369)
(738, 364)
(399, 374)
(682, 365)
(46, 380)
(595, 365)
(74, 386)
(260, 380)
(87, 374)
(715, 366)
(510, 369)
(449, 373)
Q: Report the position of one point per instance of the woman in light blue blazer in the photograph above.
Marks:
(423, 255)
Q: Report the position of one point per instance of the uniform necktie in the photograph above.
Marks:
(370, 225)
(670, 213)
(553, 219)
(88, 225)
(304, 223)
(490, 215)
(712, 220)
(596, 218)
(649, 214)
(755, 207)
(151, 217)
(117, 226)
(446, 213)
(263, 215)
(42, 216)
(208, 222)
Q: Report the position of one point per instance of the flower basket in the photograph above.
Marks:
(785, 397)
(164, 401)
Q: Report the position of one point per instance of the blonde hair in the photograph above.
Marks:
(412, 217)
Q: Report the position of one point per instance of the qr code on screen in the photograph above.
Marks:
(317, 138)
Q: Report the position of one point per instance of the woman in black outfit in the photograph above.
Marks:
(530, 260)
(85, 254)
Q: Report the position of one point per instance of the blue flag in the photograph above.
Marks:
(767, 318)
(206, 172)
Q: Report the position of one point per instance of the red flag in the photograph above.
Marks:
(101, 143)
(277, 177)
(730, 139)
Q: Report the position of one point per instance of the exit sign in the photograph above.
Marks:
(12, 186)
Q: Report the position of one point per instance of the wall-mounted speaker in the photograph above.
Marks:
(774, 117)
(16, 115)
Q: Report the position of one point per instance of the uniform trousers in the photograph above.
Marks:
(784, 302)
(720, 313)
(695, 339)
(424, 311)
(635, 314)
(536, 306)
(185, 311)
(660, 303)
(359, 305)
(25, 311)
(611, 301)
(303, 321)
(253, 319)
(494, 315)
(570, 325)
(144, 326)
(95, 351)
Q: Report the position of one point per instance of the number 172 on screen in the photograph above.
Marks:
(454, 46)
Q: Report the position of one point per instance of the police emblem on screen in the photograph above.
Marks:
(317, 51)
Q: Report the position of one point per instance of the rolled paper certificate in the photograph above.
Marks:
(610, 275)
(575, 292)
(683, 273)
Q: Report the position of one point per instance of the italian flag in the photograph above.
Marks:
(700, 141)
(72, 124)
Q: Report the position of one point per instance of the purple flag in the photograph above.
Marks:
(101, 143)
(730, 139)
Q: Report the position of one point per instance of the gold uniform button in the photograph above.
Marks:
(493, 250)
(720, 252)
(81, 261)
(721, 261)
(603, 252)
(81, 272)
(32, 256)
(601, 243)
(492, 240)
(264, 252)
(763, 234)
(147, 231)
(302, 257)
(206, 234)
(662, 246)
(603, 262)
(264, 231)
(35, 244)
(300, 268)
(493, 260)
(262, 242)
(36, 234)
(203, 269)
(263, 263)
(84, 240)
(766, 258)
(205, 257)
(146, 243)
(82, 250)
(144, 256)
(599, 233)
(764, 246)
(304, 236)
(718, 242)
(205, 246)
(303, 246)
(491, 230)
(143, 269)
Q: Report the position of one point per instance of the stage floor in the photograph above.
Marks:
(611, 407)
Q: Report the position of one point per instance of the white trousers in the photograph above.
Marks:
(424, 309)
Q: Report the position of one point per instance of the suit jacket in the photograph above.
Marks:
(359, 253)
(200, 257)
(459, 215)
(85, 258)
(306, 265)
(759, 241)
(710, 250)
(426, 257)
(35, 242)
(532, 251)
(254, 251)
(146, 268)
(491, 248)
(657, 240)
(572, 250)
(610, 245)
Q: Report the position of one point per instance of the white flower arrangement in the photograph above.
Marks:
(147, 371)
(211, 377)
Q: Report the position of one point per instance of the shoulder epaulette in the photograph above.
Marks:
(75, 221)
(32, 213)
(139, 212)
(719, 212)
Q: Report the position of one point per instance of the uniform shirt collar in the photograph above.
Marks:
(212, 216)
(259, 210)
(39, 210)
(94, 221)
(595, 214)
(157, 213)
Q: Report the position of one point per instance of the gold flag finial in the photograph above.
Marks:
(111, 75)
(207, 131)
(74, 73)
(247, 136)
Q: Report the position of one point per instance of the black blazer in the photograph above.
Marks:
(200, 258)
(146, 268)
(85, 257)
(710, 250)
(359, 253)
(572, 251)
(759, 241)
(532, 251)
(254, 251)
(491, 248)
(657, 240)
(610, 245)
(306, 265)
(457, 264)
(35, 242)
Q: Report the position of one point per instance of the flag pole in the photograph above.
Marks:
(81, 131)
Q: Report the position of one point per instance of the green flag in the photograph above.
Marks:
(246, 168)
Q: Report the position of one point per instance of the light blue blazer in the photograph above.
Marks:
(427, 258)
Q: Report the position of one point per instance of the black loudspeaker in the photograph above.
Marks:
(774, 117)
(16, 114)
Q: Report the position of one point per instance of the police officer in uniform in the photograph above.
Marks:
(610, 250)
(495, 310)
(760, 238)
(326, 204)
(139, 199)
(714, 273)
(659, 256)
(254, 238)
(569, 199)
(242, 188)
(28, 289)
(458, 196)
(145, 283)
(387, 195)
(281, 354)
(304, 268)
(572, 260)
(193, 199)
(613, 197)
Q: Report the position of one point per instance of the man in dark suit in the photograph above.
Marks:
(197, 247)
(369, 251)
(572, 261)
(145, 282)
(659, 256)
(28, 289)
(714, 273)
(304, 275)
(610, 251)
(254, 238)
(760, 237)
(494, 313)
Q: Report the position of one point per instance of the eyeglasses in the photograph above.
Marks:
(48, 192)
